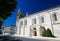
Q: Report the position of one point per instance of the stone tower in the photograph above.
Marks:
(19, 15)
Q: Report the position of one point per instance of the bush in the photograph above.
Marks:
(49, 33)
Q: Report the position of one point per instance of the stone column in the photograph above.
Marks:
(30, 33)
(37, 31)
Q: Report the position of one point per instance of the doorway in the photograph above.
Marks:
(34, 32)
(42, 31)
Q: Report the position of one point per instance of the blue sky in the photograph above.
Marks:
(30, 6)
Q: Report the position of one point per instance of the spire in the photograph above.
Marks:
(19, 12)
(27, 14)
(19, 15)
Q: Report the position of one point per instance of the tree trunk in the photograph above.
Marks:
(0, 30)
(1, 21)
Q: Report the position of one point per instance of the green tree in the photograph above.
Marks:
(49, 33)
(6, 9)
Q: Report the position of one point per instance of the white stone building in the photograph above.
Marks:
(32, 25)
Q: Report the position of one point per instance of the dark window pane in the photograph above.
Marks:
(34, 21)
(25, 22)
(55, 17)
(21, 23)
(42, 19)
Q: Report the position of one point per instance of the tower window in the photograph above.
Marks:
(55, 17)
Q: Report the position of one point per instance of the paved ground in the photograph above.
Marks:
(26, 39)
(9, 38)
(32, 39)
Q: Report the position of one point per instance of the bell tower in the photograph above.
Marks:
(19, 15)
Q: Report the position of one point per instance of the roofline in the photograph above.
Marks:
(53, 8)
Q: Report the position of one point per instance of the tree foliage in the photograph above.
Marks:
(1, 20)
(49, 33)
(6, 7)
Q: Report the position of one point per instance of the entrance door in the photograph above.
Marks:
(35, 33)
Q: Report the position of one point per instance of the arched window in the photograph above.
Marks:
(42, 31)
(34, 28)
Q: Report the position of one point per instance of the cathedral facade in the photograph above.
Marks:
(35, 24)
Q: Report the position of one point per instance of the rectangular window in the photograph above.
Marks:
(42, 19)
(55, 17)
(34, 21)
(25, 22)
(21, 23)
